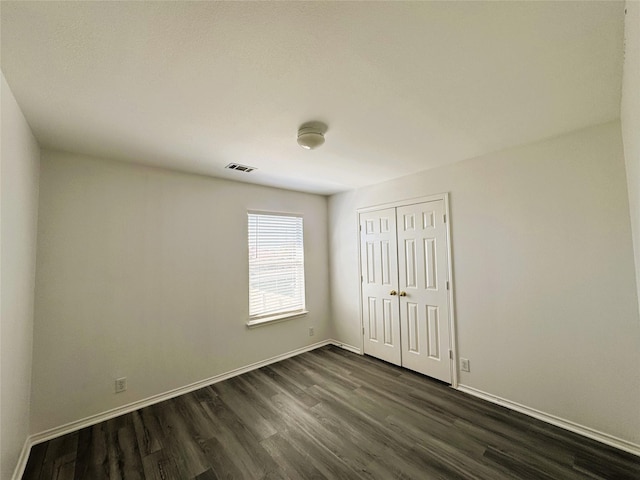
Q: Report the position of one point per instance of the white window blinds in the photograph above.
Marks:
(276, 264)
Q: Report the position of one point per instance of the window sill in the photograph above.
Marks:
(258, 322)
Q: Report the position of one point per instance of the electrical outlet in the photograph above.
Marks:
(121, 384)
(311, 332)
(464, 365)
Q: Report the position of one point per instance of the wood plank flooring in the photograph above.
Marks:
(326, 414)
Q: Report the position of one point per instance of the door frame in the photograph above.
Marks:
(451, 297)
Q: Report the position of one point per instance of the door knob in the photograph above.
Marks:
(393, 292)
(403, 294)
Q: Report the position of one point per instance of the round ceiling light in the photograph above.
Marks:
(311, 135)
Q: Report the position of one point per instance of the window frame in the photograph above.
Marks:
(281, 315)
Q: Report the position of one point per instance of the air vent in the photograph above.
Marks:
(241, 168)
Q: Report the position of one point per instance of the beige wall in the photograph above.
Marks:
(630, 118)
(129, 279)
(544, 280)
(143, 273)
(19, 166)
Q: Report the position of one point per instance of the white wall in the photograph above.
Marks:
(19, 166)
(630, 118)
(143, 273)
(543, 273)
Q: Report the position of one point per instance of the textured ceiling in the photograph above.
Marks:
(403, 87)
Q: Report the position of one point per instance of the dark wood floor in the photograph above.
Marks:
(326, 414)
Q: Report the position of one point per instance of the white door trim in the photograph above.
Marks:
(451, 297)
(452, 312)
(404, 203)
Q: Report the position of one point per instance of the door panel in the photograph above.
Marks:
(424, 310)
(379, 264)
(411, 268)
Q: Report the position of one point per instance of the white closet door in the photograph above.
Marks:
(424, 306)
(379, 267)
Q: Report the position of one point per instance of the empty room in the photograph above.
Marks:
(358, 240)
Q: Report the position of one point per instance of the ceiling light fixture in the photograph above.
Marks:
(311, 135)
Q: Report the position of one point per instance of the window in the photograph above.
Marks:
(276, 267)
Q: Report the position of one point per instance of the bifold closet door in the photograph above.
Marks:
(423, 282)
(379, 267)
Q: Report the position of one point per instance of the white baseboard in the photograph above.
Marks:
(130, 407)
(602, 437)
(22, 459)
(115, 412)
(346, 346)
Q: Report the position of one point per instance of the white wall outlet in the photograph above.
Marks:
(311, 332)
(121, 384)
(464, 365)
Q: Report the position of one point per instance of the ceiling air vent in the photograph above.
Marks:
(241, 168)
